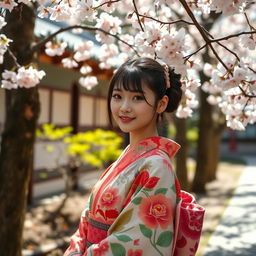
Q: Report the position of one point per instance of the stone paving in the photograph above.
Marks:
(236, 233)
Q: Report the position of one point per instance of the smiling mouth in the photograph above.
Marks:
(125, 119)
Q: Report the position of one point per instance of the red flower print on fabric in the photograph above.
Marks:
(144, 180)
(156, 210)
(109, 198)
(137, 252)
(100, 249)
(136, 241)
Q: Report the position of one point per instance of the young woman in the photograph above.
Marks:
(131, 208)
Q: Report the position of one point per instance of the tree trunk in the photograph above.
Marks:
(203, 145)
(181, 157)
(218, 129)
(16, 156)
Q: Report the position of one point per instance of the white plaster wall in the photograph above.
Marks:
(44, 159)
(44, 95)
(86, 110)
(102, 112)
(61, 108)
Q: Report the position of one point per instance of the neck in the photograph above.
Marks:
(136, 138)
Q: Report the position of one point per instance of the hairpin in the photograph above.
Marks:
(167, 77)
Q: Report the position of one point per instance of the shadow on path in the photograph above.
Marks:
(236, 233)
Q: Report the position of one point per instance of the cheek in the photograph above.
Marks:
(113, 107)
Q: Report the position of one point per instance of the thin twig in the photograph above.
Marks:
(166, 22)
(203, 33)
(137, 14)
(193, 18)
(108, 2)
(233, 35)
(254, 71)
(13, 57)
(89, 28)
(225, 47)
(245, 94)
(247, 19)
(195, 52)
(218, 57)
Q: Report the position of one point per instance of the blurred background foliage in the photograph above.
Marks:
(97, 147)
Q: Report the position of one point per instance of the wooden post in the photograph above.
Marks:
(75, 124)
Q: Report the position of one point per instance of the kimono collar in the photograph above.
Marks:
(169, 146)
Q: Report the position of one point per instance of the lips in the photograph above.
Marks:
(125, 119)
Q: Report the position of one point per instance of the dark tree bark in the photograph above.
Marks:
(218, 128)
(16, 156)
(203, 144)
(208, 144)
(181, 157)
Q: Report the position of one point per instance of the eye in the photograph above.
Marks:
(139, 97)
(116, 96)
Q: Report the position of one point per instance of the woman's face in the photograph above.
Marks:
(134, 112)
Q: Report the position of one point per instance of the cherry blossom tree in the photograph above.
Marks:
(170, 31)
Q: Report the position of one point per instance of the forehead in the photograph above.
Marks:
(131, 87)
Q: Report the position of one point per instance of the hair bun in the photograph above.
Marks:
(174, 92)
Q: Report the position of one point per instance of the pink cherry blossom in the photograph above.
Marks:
(60, 12)
(29, 77)
(10, 75)
(69, 63)
(8, 85)
(183, 112)
(84, 10)
(9, 80)
(2, 22)
(213, 100)
(4, 41)
(108, 23)
(9, 5)
(43, 12)
(88, 82)
(55, 48)
(83, 51)
(85, 69)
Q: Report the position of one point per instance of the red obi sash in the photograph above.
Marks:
(96, 232)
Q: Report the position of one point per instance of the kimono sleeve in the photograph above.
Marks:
(78, 240)
(145, 225)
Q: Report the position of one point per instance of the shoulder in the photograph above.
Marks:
(157, 159)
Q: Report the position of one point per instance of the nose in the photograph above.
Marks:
(125, 106)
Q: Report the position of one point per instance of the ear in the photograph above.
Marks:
(162, 104)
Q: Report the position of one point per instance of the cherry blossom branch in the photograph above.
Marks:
(166, 22)
(247, 19)
(137, 14)
(195, 52)
(108, 2)
(202, 32)
(218, 57)
(89, 28)
(245, 94)
(196, 23)
(13, 57)
(233, 35)
(254, 71)
(232, 52)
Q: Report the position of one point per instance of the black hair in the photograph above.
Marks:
(135, 72)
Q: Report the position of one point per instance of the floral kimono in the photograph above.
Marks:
(132, 207)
